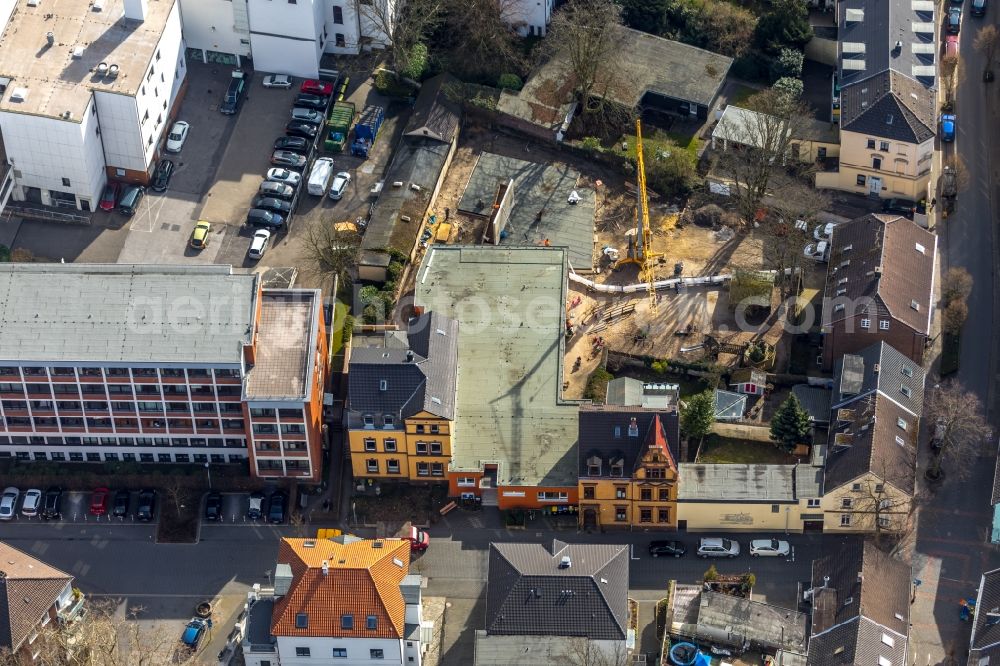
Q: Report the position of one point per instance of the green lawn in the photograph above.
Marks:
(717, 449)
(658, 140)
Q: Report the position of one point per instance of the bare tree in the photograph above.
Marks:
(483, 36)
(953, 316)
(177, 493)
(986, 42)
(957, 166)
(958, 429)
(331, 250)
(761, 147)
(956, 285)
(402, 27)
(883, 510)
(950, 77)
(586, 35)
(585, 652)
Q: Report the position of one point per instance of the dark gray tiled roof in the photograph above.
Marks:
(986, 630)
(879, 368)
(865, 436)
(434, 115)
(425, 383)
(859, 641)
(604, 433)
(528, 594)
(815, 400)
(884, 106)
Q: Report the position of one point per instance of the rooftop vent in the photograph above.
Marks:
(326, 567)
(308, 544)
(33, 3)
(899, 45)
(376, 544)
(113, 72)
(50, 37)
(19, 95)
(409, 356)
(565, 562)
(398, 562)
(855, 15)
(102, 69)
(77, 51)
(97, 6)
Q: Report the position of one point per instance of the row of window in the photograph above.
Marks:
(271, 446)
(267, 412)
(211, 442)
(117, 406)
(340, 653)
(845, 520)
(392, 467)
(618, 471)
(124, 391)
(265, 465)
(78, 423)
(118, 373)
(389, 445)
(113, 456)
(645, 515)
(272, 429)
(645, 494)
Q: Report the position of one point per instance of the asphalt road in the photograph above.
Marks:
(951, 546)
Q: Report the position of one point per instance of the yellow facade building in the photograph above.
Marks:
(628, 470)
(401, 401)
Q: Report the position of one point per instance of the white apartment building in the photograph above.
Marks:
(283, 36)
(529, 17)
(86, 94)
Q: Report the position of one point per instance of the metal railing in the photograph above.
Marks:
(13, 210)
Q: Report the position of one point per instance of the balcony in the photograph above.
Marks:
(72, 612)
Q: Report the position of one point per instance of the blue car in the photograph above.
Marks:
(948, 127)
(193, 632)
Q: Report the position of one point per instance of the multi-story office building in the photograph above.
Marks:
(157, 364)
(87, 91)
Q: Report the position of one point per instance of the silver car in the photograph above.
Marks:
(339, 185)
(714, 547)
(279, 175)
(8, 503)
(307, 115)
(769, 548)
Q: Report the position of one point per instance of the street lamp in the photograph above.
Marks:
(209, 472)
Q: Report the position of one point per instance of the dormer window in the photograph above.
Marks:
(368, 420)
(383, 385)
(387, 420)
(633, 428)
(594, 466)
(618, 468)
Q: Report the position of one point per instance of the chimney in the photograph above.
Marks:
(326, 567)
(409, 356)
(50, 37)
(282, 579)
(136, 9)
(565, 562)
(826, 581)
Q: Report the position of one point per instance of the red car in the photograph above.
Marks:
(99, 501)
(110, 197)
(314, 87)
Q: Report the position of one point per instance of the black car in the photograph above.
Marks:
(213, 506)
(903, 207)
(276, 512)
(296, 144)
(307, 101)
(122, 499)
(147, 505)
(302, 128)
(255, 509)
(51, 506)
(161, 177)
(258, 217)
(667, 549)
(272, 204)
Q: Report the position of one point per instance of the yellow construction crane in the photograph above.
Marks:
(640, 245)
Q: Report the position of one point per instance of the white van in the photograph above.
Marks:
(319, 177)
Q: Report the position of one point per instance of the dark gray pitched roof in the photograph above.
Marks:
(985, 626)
(427, 382)
(858, 641)
(881, 368)
(434, 115)
(604, 433)
(878, 79)
(815, 400)
(528, 594)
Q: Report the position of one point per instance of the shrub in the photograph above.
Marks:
(395, 270)
(788, 63)
(711, 574)
(510, 81)
(387, 84)
(597, 385)
(661, 367)
(790, 87)
(591, 143)
(418, 61)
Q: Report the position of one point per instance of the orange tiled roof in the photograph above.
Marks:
(657, 438)
(363, 580)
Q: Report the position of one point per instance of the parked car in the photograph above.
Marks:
(978, 8)
(258, 245)
(296, 144)
(282, 81)
(255, 509)
(8, 503)
(110, 197)
(276, 511)
(823, 232)
(129, 203)
(903, 207)
(769, 548)
(122, 500)
(669, 548)
(271, 189)
(147, 505)
(272, 204)
(199, 237)
(161, 177)
(193, 632)
(279, 175)
(258, 217)
(303, 129)
(213, 506)
(306, 101)
(339, 185)
(948, 122)
(314, 87)
(234, 94)
(715, 547)
(953, 24)
(52, 506)
(32, 502)
(319, 176)
(287, 158)
(308, 115)
(817, 251)
(99, 501)
(951, 45)
(177, 136)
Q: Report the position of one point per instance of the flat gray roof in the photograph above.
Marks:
(285, 345)
(523, 649)
(734, 482)
(763, 624)
(510, 305)
(541, 210)
(93, 313)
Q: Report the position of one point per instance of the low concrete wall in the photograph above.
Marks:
(740, 431)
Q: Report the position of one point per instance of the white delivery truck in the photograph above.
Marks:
(319, 177)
